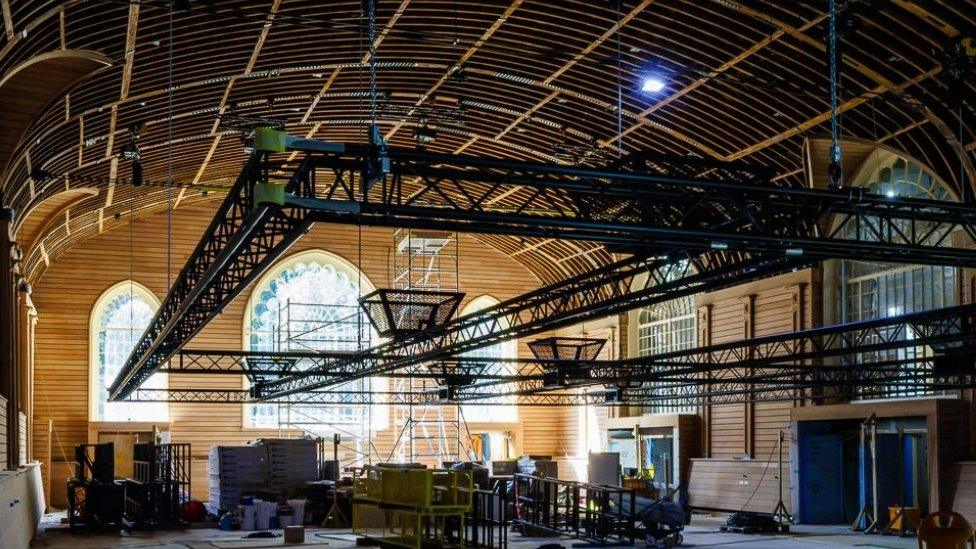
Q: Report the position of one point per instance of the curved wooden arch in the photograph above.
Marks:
(746, 80)
(33, 223)
(31, 85)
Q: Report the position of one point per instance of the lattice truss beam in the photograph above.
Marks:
(644, 200)
(794, 384)
(684, 209)
(816, 363)
(950, 332)
(617, 288)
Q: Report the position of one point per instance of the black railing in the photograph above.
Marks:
(490, 517)
(602, 514)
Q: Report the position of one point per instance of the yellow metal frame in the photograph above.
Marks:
(414, 503)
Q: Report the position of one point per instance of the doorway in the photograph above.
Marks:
(490, 446)
(834, 469)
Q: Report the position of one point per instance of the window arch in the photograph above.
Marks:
(310, 302)
(663, 328)
(118, 319)
(474, 413)
(868, 290)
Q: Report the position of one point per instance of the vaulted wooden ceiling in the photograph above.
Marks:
(521, 79)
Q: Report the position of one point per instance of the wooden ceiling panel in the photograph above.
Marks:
(746, 80)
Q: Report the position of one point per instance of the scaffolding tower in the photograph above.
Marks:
(425, 260)
(327, 327)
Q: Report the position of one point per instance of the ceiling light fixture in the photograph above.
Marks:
(652, 84)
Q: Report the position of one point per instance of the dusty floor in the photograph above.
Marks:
(703, 532)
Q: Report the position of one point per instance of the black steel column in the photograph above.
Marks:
(9, 386)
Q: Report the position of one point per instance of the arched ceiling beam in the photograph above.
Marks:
(29, 86)
(884, 85)
(615, 28)
(485, 36)
(825, 116)
(35, 222)
(742, 56)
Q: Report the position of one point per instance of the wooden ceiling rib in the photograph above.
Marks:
(745, 80)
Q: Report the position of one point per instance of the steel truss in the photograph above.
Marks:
(646, 200)
(261, 365)
(733, 386)
(950, 331)
(794, 360)
(650, 202)
(241, 242)
(617, 288)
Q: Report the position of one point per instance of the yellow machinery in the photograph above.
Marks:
(411, 507)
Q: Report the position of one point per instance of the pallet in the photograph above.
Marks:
(779, 529)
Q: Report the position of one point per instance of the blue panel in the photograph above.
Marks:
(908, 455)
(821, 479)
(889, 456)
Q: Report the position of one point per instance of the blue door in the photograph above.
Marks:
(821, 476)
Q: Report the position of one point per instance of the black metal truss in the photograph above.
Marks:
(949, 331)
(614, 289)
(261, 365)
(640, 195)
(945, 329)
(654, 203)
(733, 385)
(242, 240)
(644, 201)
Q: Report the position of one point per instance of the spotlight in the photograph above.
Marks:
(890, 193)
(652, 84)
(130, 152)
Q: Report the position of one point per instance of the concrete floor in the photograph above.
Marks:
(703, 532)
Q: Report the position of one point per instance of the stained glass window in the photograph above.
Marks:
(311, 303)
(664, 328)
(119, 318)
(507, 349)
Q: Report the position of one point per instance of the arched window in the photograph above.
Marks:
(310, 302)
(666, 327)
(119, 318)
(504, 350)
(867, 290)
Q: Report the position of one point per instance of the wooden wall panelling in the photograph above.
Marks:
(727, 422)
(961, 494)
(740, 441)
(952, 443)
(733, 485)
(704, 313)
(749, 408)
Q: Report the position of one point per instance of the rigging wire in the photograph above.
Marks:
(169, 153)
(835, 175)
(371, 29)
